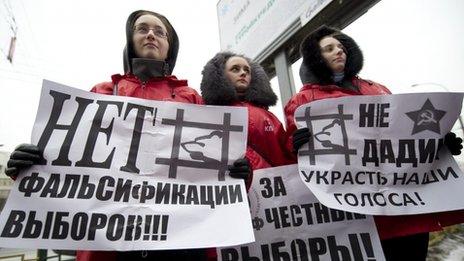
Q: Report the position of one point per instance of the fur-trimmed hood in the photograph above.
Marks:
(130, 60)
(313, 68)
(216, 89)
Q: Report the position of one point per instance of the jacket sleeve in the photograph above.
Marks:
(283, 154)
(378, 88)
(385, 89)
(289, 112)
(296, 101)
(256, 162)
(196, 98)
(103, 88)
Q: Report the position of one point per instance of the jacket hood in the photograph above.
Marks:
(157, 67)
(216, 89)
(314, 69)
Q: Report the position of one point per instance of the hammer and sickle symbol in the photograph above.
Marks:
(426, 116)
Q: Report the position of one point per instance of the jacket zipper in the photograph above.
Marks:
(143, 88)
(173, 94)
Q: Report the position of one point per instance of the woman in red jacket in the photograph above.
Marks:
(331, 62)
(149, 58)
(234, 80)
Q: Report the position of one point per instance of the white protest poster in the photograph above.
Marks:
(291, 224)
(123, 173)
(381, 155)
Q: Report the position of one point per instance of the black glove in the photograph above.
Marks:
(453, 143)
(300, 137)
(24, 156)
(241, 169)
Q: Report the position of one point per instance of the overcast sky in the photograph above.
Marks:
(79, 43)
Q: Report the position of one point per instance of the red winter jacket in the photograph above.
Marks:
(159, 89)
(387, 226)
(266, 143)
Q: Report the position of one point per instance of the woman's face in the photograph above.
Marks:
(238, 72)
(150, 38)
(333, 53)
